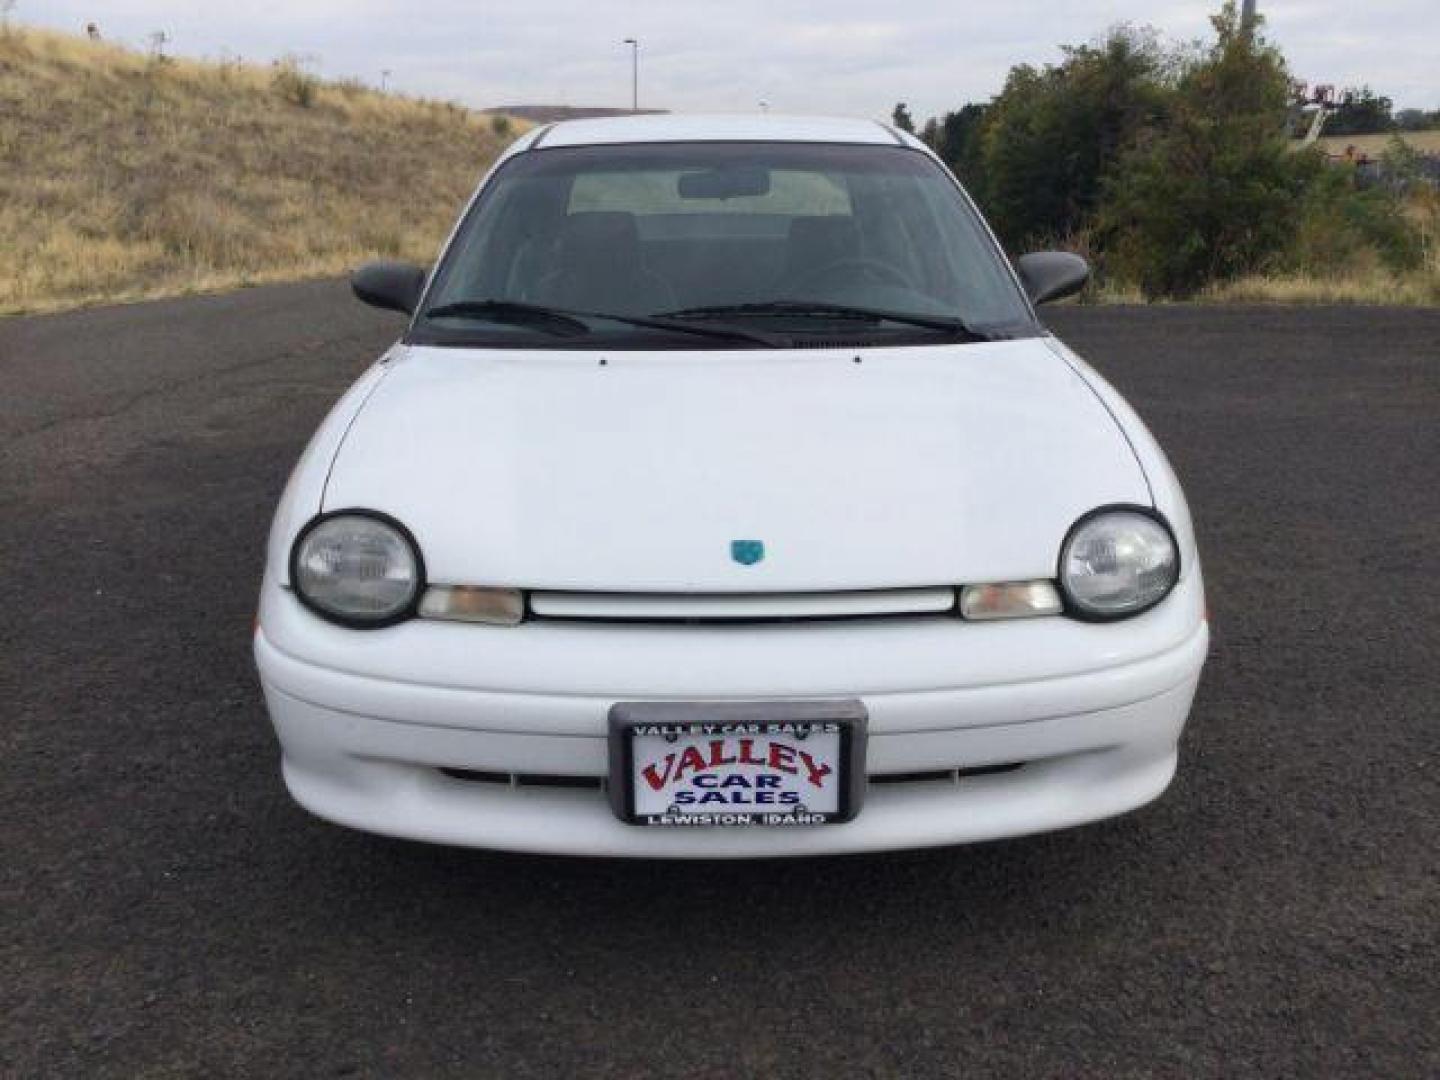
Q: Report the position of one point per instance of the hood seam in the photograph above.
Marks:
(387, 362)
(1052, 344)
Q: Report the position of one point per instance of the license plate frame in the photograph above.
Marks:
(773, 719)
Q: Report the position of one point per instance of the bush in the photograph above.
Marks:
(1052, 135)
(1345, 229)
(1214, 192)
(293, 83)
(1172, 172)
(350, 88)
(501, 126)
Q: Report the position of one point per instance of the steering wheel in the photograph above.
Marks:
(881, 273)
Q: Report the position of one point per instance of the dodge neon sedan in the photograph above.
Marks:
(724, 497)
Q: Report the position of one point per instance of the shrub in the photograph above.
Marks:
(501, 126)
(293, 83)
(1344, 228)
(1052, 134)
(350, 88)
(1214, 192)
(1413, 177)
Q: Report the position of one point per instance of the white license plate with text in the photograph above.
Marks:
(695, 765)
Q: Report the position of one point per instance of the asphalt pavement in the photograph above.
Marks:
(166, 911)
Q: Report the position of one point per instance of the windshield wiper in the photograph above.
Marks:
(822, 309)
(512, 311)
(570, 323)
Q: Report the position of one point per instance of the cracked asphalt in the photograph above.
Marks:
(168, 912)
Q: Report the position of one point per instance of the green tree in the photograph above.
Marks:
(902, 119)
(1362, 112)
(1053, 134)
(1214, 191)
(1417, 120)
(959, 142)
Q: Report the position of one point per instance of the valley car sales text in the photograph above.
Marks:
(708, 769)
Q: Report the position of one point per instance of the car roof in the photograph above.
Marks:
(738, 127)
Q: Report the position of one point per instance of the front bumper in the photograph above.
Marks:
(377, 728)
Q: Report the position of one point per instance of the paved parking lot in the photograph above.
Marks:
(167, 911)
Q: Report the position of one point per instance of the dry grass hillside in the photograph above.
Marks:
(122, 176)
(1427, 142)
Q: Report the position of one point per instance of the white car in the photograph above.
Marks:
(724, 497)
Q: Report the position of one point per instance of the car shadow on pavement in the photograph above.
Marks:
(988, 886)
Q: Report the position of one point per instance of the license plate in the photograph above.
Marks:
(780, 763)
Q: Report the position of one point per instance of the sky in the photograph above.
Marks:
(846, 57)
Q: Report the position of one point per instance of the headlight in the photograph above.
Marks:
(1117, 562)
(357, 568)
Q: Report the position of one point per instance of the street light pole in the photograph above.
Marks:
(634, 73)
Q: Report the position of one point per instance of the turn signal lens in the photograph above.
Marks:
(462, 603)
(1009, 600)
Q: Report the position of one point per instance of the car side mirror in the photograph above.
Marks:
(394, 286)
(1049, 275)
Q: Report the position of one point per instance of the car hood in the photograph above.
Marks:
(639, 471)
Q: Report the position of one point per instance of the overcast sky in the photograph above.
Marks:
(855, 57)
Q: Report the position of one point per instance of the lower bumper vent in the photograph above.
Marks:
(953, 776)
(476, 776)
(597, 783)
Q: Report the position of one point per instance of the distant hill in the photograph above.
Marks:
(549, 114)
(125, 176)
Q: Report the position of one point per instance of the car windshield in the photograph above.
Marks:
(721, 244)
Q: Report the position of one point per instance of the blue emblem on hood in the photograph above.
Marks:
(747, 552)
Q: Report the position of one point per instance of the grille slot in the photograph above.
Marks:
(475, 776)
(953, 776)
(597, 783)
(741, 607)
(504, 779)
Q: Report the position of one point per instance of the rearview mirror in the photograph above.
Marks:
(394, 286)
(725, 183)
(1049, 275)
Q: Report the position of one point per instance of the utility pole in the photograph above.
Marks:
(1247, 18)
(634, 73)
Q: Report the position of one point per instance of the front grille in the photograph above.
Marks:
(741, 607)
